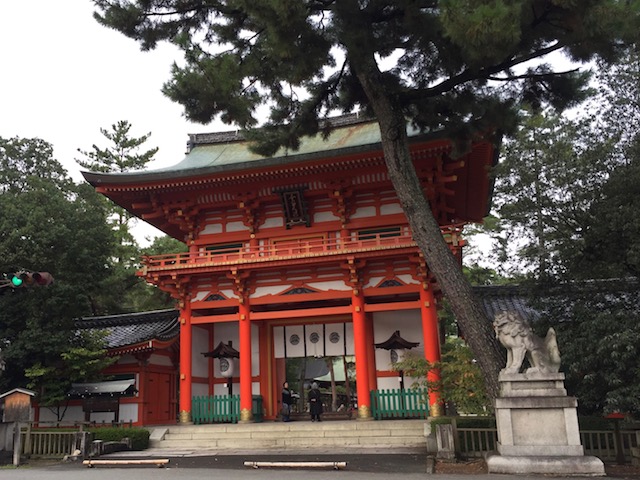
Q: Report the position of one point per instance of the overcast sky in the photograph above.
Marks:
(63, 77)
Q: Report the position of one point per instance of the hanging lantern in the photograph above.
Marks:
(227, 366)
(226, 355)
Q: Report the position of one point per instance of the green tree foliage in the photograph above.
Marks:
(456, 66)
(552, 171)
(578, 220)
(461, 386)
(147, 297)
(48, 224)
(599, 339)
(124, 152)
(121, 155)
(610, 241)
(81, 362)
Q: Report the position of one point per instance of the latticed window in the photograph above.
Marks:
(379, 233)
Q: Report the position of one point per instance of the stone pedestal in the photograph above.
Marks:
(538, 428)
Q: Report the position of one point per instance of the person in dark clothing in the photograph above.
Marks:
(315, 403)
(286, 402)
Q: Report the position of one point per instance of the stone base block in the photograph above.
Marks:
(565, 466)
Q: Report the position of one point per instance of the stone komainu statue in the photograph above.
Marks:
(515, 334)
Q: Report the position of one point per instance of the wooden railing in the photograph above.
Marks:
(475, 442)
(399, 404)
(276, 251)
(50, 444)
(602, 444)
(215, 409)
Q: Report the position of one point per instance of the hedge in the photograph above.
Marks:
(139, 436)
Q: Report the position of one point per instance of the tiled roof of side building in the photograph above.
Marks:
(506, 298)
(133, 328)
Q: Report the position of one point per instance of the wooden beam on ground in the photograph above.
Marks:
(333, 465)
(160, 462)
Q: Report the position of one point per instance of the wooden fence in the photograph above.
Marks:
(50, 444)
(215, 409)
(602, 444)
(399, 404)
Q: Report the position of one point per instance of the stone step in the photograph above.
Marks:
(295, 435)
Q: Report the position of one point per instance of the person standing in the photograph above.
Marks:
(286, 402)
(315, 403)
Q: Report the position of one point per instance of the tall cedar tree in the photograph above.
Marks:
(457, 66)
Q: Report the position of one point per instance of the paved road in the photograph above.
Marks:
(232, 467)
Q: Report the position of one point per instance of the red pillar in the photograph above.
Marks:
(362, 361)
(371, 352)
(431, 339)
(246, 395)
(185, 362)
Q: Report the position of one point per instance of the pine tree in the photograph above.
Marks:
(456, 66)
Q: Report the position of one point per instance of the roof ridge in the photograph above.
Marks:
(238, 135)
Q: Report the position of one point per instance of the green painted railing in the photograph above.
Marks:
(399, 404)
(215, 409)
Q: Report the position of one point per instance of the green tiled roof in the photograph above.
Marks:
(229, 151)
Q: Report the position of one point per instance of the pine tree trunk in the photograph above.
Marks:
(471, 317)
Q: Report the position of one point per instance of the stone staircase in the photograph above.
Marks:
(269, 437)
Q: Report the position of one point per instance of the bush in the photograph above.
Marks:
(139, 436)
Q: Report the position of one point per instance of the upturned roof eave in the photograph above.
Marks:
(97, 179)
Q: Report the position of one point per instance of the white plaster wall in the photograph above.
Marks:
(390, 209)
(126, 360)
(364, 212)
(278, 342)
(223, 389)
(212, 228)
(201, 295)
(162, 360)
(72, 415)
(272, 222)
(228, 331)
(129, 412)
(333, 285)
(351, 350)
(408, 279)
(236, 227)
(271, 290)
(385, 323)
(199, 389)
(324, 217)
(389, 383)
(199, 363)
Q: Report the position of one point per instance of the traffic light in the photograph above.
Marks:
(42, 278)
(18, 279)
(30, 279)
